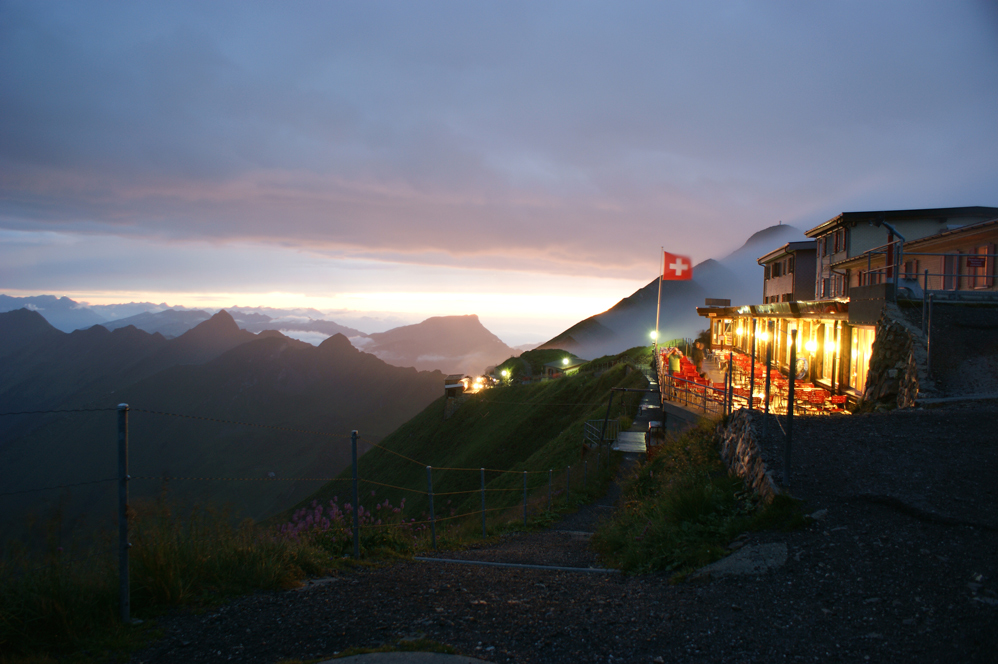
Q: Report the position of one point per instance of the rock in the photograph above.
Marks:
(819, 515)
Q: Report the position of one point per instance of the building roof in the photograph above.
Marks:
(788, 248)
(838, 308)
(573, 362)
(895, 215)
(969, 228)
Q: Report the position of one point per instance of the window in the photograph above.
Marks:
(776, 269)
(911, 269)
(768, 272)
(980, 266)
(829, 352)
(951, 271)
(859, 356)
(790, 265)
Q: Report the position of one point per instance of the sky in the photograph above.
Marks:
(519, 160)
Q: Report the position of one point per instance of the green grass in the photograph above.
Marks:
(59, 603)
(535, 428)
(682, 509)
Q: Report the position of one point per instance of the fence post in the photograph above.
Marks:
(925, 300)
(483, 503)
(731, 382)
(790, 410)
(429, 492)
(928, 340)
(550, 471)
(769, 371)
(751, 395)
(124, 594)
(356, 495)
(524, 498)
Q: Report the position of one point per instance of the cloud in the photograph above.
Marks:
(552, 137)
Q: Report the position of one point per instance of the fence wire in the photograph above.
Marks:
(58, 486)
(61, 410)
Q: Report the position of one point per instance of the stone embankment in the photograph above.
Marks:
(898, 371)
(741, 452)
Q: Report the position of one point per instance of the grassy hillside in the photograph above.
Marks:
(532, 427)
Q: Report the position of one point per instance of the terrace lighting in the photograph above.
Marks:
(811, 346)
(564, 362)
(763, 336)
(505, 373)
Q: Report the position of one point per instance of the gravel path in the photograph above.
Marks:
(902, 568)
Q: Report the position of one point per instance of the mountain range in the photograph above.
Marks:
(628, 323)
(213, 375)
(451, 344)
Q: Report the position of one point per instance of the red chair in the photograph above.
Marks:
(837, 403)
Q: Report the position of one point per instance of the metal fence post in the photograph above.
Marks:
(356, 495)
(524, 498)
(550, 472)
(790, 410)
(124, 594)
(769, 371)
(928, 339)
(751, 395)
(731, 382)
(483, 503)
(429, 491)
(925, 300)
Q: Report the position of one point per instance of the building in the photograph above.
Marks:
(789, 273)
(954, 261)
(863, 261)
(563, 367)
(842, 239)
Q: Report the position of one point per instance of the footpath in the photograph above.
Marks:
(899, 565)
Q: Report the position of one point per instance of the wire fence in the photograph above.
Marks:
(531, 486)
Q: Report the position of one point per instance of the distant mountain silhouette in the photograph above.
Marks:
(737, 277)
(61, 312)
(23, 327)
(174, 322)
(452, 344)
(170, 323)
(215, 371)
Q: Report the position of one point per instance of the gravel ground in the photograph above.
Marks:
(901, 568)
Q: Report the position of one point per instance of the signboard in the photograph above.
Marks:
(714, 302)
(976, 261)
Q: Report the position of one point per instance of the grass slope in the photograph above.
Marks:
(532, 428)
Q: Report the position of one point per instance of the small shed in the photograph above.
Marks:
(563, 367)
(454, 385)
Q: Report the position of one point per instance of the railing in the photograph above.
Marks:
(592, 431)
(951, 279)
(346, 518)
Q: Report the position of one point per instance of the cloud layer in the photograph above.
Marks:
(538, 136)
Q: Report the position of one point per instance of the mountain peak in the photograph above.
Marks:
(337, 343)
(221, 323)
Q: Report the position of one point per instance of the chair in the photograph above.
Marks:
(816, 400)
(837, 403)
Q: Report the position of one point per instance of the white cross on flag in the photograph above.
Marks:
(676, 268)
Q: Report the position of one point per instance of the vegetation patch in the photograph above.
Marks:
(681, 509)
(58, 603)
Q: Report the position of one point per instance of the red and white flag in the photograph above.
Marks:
(676, 268)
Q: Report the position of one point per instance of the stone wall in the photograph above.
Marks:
(898, 369)
(743, 456)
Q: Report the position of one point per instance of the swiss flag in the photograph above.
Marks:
(676, 268)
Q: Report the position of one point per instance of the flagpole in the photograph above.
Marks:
(658, 307)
